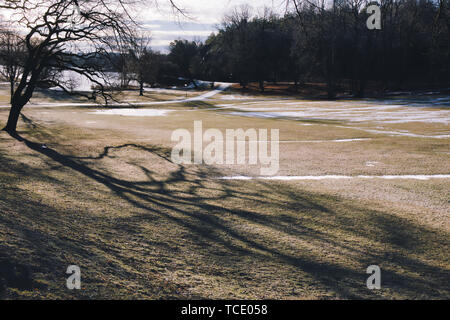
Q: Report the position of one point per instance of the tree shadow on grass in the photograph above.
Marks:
(300, 238)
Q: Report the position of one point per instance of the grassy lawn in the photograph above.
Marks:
(101, 192)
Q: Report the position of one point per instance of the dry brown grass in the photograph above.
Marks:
(103, 194)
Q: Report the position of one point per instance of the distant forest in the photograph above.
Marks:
(314, 42)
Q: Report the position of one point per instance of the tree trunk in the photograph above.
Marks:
(11, 83)
(330, 88)
(141, 88)
(361, 88)
(13, 118)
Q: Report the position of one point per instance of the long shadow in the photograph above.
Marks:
(40, 241)
(204, 215)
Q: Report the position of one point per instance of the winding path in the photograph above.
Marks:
(221, 87)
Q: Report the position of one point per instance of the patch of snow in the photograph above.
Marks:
(320, 141)
(133, 112)
(406, 134)
(340, 177)
(368, 110)
(236, 97)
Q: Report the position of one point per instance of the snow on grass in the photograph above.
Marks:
(340, 177)
(381, 111)
(237, 97)
(400, 133)
(321, 141)
(371, 163)
(402, 115)
(134, 112)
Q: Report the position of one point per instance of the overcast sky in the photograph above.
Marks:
(204, 16)
(200, 20)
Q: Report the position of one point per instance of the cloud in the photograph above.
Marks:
(164, 32)
(202, 18)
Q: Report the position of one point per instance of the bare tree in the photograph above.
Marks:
(66, 35)
(11, 56)
(140, 54)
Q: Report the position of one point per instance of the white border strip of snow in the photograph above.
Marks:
(338, 177)
(320, 141)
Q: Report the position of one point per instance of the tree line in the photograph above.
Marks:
(330, 43)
